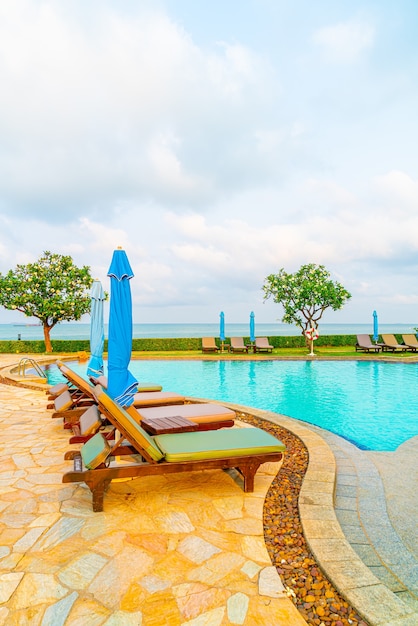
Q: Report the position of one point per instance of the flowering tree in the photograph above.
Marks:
(53, 289)
(305, 295)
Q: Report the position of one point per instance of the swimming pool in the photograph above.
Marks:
(372, 404)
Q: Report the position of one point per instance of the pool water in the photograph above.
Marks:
(372, 404)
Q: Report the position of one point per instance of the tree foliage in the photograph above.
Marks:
(52, 289)
(305, 295)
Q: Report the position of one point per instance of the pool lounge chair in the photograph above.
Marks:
(201, 416)
(238, 345)
(390, 344)
(209, 345)
(244, 449)
(207, 415)
(142, 399)
(411, 342)
(262, 345)
(365, 345)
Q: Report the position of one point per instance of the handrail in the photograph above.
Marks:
(26, 361)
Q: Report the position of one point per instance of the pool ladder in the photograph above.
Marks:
(27, 362)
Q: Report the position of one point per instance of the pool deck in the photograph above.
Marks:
(196, 553)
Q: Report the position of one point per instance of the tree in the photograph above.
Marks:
(53, 290)
(305, 295)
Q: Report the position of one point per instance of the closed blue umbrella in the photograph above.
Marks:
(222, 326)
(222, 329)
(252, 327)
(121, 385)
(95, 365)
(375, 327)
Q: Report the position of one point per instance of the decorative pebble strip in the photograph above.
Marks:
(314, 596)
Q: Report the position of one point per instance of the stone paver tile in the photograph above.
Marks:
(8, 584)
(380, 606)
(197, 549)
(56, 614)
(37, 589)
(383, 574)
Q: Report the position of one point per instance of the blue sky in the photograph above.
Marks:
(216, 143)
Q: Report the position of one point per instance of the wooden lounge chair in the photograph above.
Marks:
(390, 344)
(262, 345)
(199, 416)
(365, 345)
(209, 345)
(151, 398)
(238, 345)
(411, 342)
(244, 449)
(207, 415)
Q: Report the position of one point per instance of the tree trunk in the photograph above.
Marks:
(47, 338)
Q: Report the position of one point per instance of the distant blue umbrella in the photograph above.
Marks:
(95, 365)
(252, 327)
(222, 326)
(375, 327)
(121, 385)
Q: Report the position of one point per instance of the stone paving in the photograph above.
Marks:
(186, 549)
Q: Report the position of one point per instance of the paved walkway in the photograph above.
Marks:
(183, 550)
(197, 548)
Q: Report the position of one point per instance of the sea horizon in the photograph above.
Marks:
(77, 330)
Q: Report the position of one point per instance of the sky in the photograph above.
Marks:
(216, 142)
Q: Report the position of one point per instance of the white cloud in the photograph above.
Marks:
(345, 41)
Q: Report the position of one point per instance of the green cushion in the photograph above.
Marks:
(95, 451)
(234, 442)
(144, 387)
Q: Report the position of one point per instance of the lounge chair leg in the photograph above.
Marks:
(248, 473)
(98, 489)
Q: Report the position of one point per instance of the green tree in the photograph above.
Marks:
(305, 295)
(53, 290)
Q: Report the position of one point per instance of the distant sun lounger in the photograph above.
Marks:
(390, 344)
(209, 344)
(262, 345)
(238, 345)
(365, 345)
(411, 342)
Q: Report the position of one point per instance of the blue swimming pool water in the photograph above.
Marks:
(373, 404)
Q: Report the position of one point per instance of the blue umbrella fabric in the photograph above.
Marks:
(375, 327)
(222, 326)
(252, 327)
(95, 365)
(121, 384)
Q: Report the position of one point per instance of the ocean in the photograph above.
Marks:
(68, 331)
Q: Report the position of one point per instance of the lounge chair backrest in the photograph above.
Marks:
(76, 380)
(410, 340)
(262, 342)
(363, 340)
(237, 342)
(208, 342)
(126, 424)
(390, 340)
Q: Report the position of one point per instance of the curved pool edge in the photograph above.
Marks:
(325, 537)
